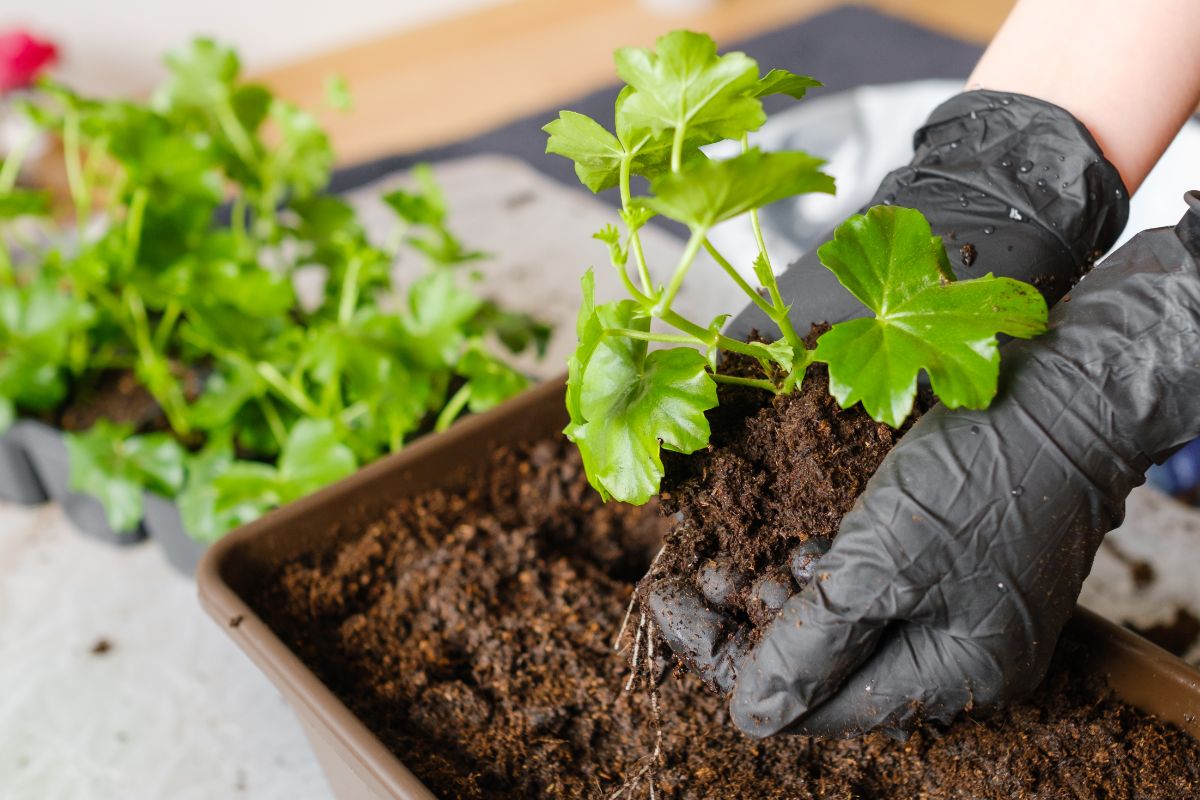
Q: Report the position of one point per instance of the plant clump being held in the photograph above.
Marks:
(628, 402)
(257, 395)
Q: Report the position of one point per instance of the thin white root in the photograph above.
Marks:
(637, 651)
(625, 622)
(646, 661)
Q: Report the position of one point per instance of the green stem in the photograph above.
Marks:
(675, 320)
(349, 296)
(274, 421)
(12, 163)
(133, 226)
(648, 336)
(166, 325)
(756, 383)
(641, 299)
(677, 147)
(453, 408)
(635, 241)
(685, 263)
(232, 127)
(780, 313)
(754, 296)
(74, 165)
(269, 373)
(170, 395)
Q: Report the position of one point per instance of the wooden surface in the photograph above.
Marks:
(461, 76)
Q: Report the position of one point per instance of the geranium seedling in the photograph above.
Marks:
(626, 401)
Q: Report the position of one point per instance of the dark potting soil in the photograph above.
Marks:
(780, 470)
(473, 632)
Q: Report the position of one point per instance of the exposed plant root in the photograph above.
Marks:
(644, 663)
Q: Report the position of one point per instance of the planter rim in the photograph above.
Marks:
(1139, 672)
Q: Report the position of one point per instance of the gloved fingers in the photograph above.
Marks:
(822, 633)
(720, 581)
(802, 561)
(916, 674)
(710, 642)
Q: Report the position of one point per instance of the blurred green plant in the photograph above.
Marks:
(149, 282)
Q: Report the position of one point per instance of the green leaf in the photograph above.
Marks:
(199, 75)
(116, 467)
(304, 157)
(491, 381)
(683, 83)
(19, 202)
(223, 493)
(625, 403)
(618, 253)
(517, 331)
(780, 81)
(225, 392)
(596, 152)
(251, 105)
(924, 319)
(337, 93)
(707, 192)
(438, 308)
(635, 402)
(38, 323)
(312, 457)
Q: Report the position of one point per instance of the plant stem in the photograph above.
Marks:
(780, 314)
(675, 320)
(685, 263)
(732, 272)
(74, 165)
(169, 394)
(166, 325)
(12, 163)
(453, 408)
(635, 241)
(133, 226)
(677, 147)
(349, 297)
(755, 383)
(649, 336)
(269, 373)
(236, 133)
(274, 421)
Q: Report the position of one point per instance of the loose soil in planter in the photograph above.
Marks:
(472, 632)
(778, 472)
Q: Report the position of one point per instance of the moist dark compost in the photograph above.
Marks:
(780, 471)
(472, 632)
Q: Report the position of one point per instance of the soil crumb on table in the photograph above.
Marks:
(472, 632)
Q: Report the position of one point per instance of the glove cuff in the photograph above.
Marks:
(1037, 160)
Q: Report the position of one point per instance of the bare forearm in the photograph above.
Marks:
(1129, 71)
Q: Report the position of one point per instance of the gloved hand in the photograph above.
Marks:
(951, 579)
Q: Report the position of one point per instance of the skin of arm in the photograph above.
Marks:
(1129, 71)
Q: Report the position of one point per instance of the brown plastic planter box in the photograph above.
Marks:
(357, 764)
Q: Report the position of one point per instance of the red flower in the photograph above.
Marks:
(22, 57)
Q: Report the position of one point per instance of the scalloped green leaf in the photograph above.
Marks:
(706, 192)
(924, 318)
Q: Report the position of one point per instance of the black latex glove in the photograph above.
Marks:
(951, 579)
